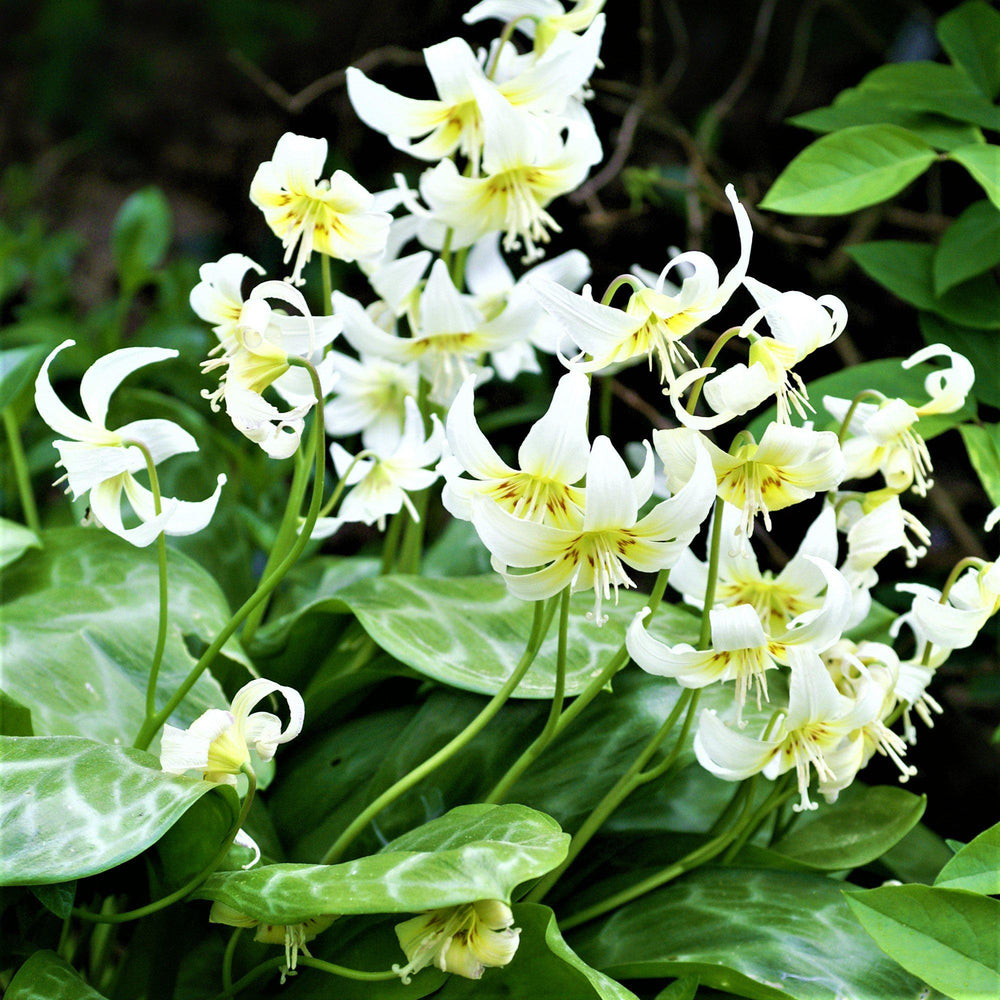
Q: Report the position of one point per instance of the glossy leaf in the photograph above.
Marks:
(140, 237)
(79, 626)
(976, 866)
(983, 163)
(45, 976)
(685, 988)
(71, 807)
(969, 246)
(850, 169)
(855, 830)
(15, 540)
(907, 270)
(918, 857)
(982, 442)
(970, 34)
(473, 852)
(758, 934)
(947, 937)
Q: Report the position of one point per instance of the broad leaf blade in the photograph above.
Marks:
(976, 866)
(983, 163)
(45, 976)
(969, 246)
(982, 442)
(970, 35)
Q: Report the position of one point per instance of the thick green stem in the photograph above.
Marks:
(705, 636)
(413, 538)
(606, 399)
(151, 727)
(227, 960)
(621, 280)
(274, 964)
(324, 270)
(391, 544)
(21, 475)
(542, 619)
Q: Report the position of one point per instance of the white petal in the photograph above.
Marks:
(610, 499)
(105, 505)
(726, 753)
(813, 697)
(107, 373)
(391, 113)
(163, 438)
(736, 628)
(54, 412)
(243, 839)
(250, 695)
(443, 309)
(467, 442)
(181, 750)
(557, 446)
(188, 516)
(515, 542)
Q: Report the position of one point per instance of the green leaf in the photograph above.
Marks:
(685, 988)
(970, 35)
(948, 937)
(850, 169)
(907, 270)
(78, 629)
(15, 540)
(473, 852)
(929, 86)
(918, 857)
(72, 807)
(979, 346)
(969, 246)
(140, 236)
(15, 719)
(982, 442)
(58, 897)
(469, 632)
(983, 163)
(18, 366)
(857, 829)
(976, 866)
(45, 976)
(759, 934)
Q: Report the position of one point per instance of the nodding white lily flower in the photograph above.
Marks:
(777, 599)
(552, 457)
(883, 437)
(292, 936)
(450, 334)
(911, 691)
(821, 732)
(742, 650)
(218, 742)
(592, 551)
(380, 484)
(542, 20)
(526, 164)
(789, 465)
(259, 359)
(453, 121)
(655, 320)
(370, 398)
(335, 217)
(465, 939)
(103, 463)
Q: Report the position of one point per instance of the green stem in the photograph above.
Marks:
(705, 636)
(391, 543)
(855, 403)
(21, 474)
(227, 961)
(312, 963)
(713, 353)
(191, 884)
(324, 270)
(151, 727)
(505, 37)
(606, 399)
(545, 737)
(413, 538)
(960, 567)
(542, 618)
(622, 279)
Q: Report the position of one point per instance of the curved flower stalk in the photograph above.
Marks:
(551, 459)
(789, 465)
(542, 20)
(777, 598)
(103, 462)
(742, 649)
(821, 732)
(259, 359)
(592, 551)
(335, 217)
(465, 940)
(218, 742)
(526, 165)
(883, 437)
(655, 320)
(453, 122)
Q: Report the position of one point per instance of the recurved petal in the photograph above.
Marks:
(515, 542)
(189, 516)
(57, 415)
(390, 113)
(597, 329)
(163, 438)
(726, 753)
(557, 446)
(258, 727)
(105, 505)
(467, 442)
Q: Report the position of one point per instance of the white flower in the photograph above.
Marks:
(551, 459)
(876, 525)
(218, 742)
(335, 217)
(655, 320)
(742, 650)
(789, 465)
(821, 732)
(101, 462)
(465, 940)
(592, 551)
(542, 20)
(882, 435)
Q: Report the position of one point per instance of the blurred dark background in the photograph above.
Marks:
(103, 98)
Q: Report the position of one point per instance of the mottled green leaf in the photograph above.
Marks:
(970, 34)
(983, 163)
(473, 852)
(969, 246)
(71, 807)
(982, 442)
(45, 976)
(948, 937)
(849, 169)
(976, 866)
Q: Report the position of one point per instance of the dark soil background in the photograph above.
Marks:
(102, 98)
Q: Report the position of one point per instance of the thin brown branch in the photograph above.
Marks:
(635, 402)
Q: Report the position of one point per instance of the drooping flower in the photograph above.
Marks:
(789, 465)
(656, 320)
(465, 940)
(876, 524)
(551, 459)
(103, 462)
(542, 20)
(593, 549)
(218, 742)
(335, 217)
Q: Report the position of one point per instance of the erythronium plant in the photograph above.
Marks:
(407, 835)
